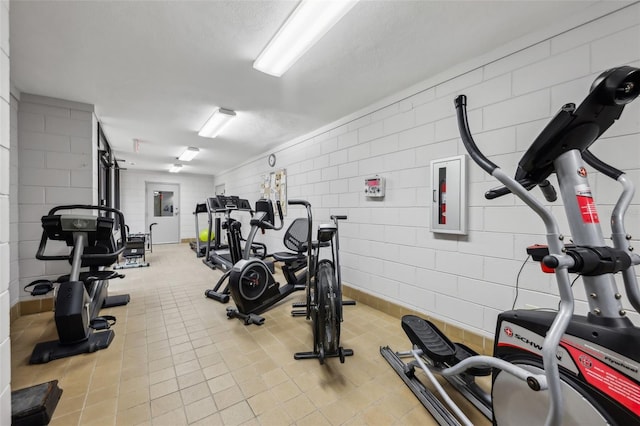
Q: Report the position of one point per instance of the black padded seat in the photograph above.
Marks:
(288, 257)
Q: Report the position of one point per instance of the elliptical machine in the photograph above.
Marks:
(264, 208)
(576, 369)
(81, 295)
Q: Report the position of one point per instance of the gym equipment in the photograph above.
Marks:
(135, 252)
(577, 369)
(251, 282)
(265, 209)
(201, 245)
(35, 405)
(225, 257)
(81, 295)
(324, 290)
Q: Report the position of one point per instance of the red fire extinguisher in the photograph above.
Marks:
(442, 203)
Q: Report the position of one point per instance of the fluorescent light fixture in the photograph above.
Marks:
(189, 154)
(216, 123)
(311, 20)
(175, 168)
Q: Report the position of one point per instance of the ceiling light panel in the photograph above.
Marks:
(189, 154)
(175, 168)
(218, 121)
(307, 24)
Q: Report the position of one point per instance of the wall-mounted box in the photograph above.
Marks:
(449, 195)
(374, 187)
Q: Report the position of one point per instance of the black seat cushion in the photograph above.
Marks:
(288, 257)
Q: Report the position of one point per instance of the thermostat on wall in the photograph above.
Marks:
(374, 187)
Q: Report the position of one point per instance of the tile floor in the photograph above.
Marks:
(176, 359)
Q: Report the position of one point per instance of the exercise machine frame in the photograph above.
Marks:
(81, 295)
(585, 366)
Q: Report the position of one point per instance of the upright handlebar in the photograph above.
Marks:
(487, 165)
(463, 125)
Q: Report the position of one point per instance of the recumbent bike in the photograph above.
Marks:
(573, 369)
(80, 295)
(251, 282)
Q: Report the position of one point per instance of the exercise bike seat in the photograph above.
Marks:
(426, 336)
(288, 257)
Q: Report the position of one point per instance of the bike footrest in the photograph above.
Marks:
(433, 343)
(463, 352)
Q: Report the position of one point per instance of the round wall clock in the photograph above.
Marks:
(272, 160)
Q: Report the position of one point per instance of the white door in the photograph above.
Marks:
(163, 208)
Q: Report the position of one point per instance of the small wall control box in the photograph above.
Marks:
(374, 187)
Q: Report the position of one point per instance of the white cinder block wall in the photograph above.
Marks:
(193, 189)
(56, 163)
(6, 149)
(388, 247)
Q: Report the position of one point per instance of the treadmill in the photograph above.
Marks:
(200, 247)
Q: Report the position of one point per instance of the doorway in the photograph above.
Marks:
(163, 208)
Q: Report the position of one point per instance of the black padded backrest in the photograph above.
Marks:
(265, 206)
(297, 235)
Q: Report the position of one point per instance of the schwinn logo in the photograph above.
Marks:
(509, 332)
(585, 361)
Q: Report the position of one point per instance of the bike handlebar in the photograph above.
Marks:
(299, 203)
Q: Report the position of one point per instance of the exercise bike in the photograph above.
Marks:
(324, 291)
(80, 295)
(252, 285)
(576, 369)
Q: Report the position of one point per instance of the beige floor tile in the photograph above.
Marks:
(162, 375)
(262, 402)
(285, 391)
(314, 419)
(67, 420)
(274, 417)
(134, 416)
(176, 417)
(228, 397)
(298, 407)
(164, 404)
(237, 414)
(195, 393)
(190, 379)
(200, 409)
(221, 383)
(161, 389)
(106, 408)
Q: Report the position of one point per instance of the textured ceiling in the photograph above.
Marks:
(155, 70)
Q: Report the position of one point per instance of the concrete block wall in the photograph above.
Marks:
(193, 189)
(6, 169)
(57, 165)
(388, 248)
